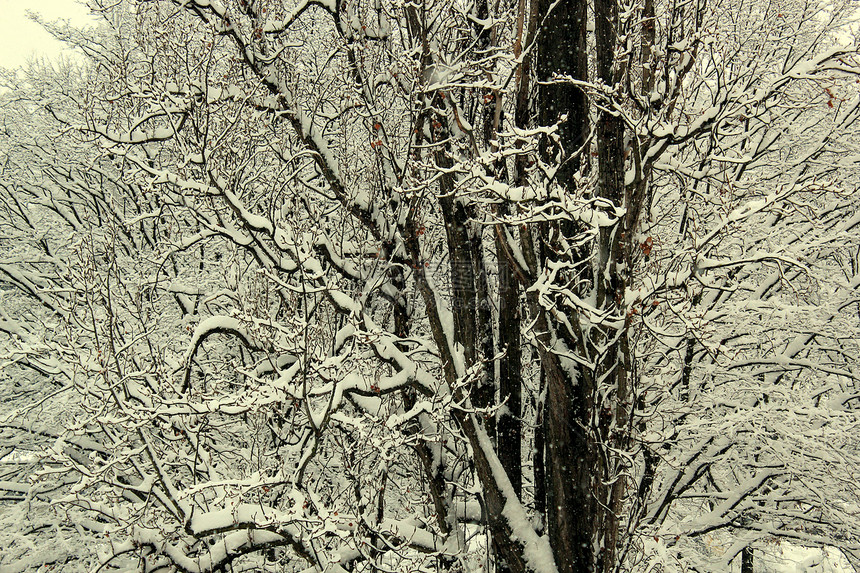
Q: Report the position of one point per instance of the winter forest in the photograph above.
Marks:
(433, 286)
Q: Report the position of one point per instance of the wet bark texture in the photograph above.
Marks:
(586, 407)
(570, 504)
(747, 560)
(562, 52)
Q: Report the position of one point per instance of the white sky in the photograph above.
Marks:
(21, 38)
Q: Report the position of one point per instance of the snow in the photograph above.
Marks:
(255, 222)
(343, 301)
(342, 336)
(332, 381)
(536, 549)
(213, 323)
(319, 143)
(413, 535)
(419, 408)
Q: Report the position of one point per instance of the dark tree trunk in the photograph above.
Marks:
(614, 264)
(472, 326)
(562, 51)
(509, 429)
(747, 560)
(649, 33)
(540, 459)
(569, 453)
(434, 471)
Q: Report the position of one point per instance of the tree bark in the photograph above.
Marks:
(614, 264)
(510, 373)
(562, 51)
(747, 560)
(569, 451)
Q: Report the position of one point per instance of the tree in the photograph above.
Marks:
(312, 237)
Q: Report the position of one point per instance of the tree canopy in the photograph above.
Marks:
(353, 285)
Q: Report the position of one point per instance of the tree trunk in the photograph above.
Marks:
(562, 51)
(614, 264)
(510, 372)
(574, 517)
(747, 560)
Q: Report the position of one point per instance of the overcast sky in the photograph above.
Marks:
(21, 38)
